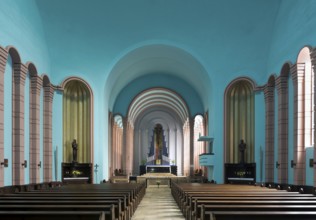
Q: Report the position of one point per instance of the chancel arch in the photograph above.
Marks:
(170, 138)
(239, 120)
(77, 120)
(155, 126)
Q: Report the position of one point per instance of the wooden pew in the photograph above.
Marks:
(137, 190)
(207, 209)
(191, 208)
(128, 194)
(197, 213)
(62, 204)
(197, 201)
(258, 215)
(127, 203)
(187, 200)
(53, 215)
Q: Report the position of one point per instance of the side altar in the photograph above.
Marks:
(77, 173)
(242, 172)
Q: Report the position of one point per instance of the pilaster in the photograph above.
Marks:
(3, 62)
(47, 134)
(282, 88)
(35, 163)
(269, 102)
(313, 60)
(19, 76)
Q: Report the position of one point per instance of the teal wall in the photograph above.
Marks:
(21, 26)
(294, 28)
(309, 170)
(57, 151)
(259, 136)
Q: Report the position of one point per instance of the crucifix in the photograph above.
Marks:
(96, 172)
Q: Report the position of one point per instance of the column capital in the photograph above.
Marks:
(49, 93)
(313, 58)
(297, 72)
(281, 83)
(3, 59)
(293, 72)
(268, 93)
(36, 85)
(19, 73)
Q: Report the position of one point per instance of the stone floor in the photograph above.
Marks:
(158, 203)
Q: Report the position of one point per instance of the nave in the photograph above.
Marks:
(158, 203)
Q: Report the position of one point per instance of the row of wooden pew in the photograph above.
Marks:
(241, 202)
(74, 202)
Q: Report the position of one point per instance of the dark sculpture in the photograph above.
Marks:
(242, 148)
(74, 151)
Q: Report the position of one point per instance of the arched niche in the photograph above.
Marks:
(239, 120)
(77, 120)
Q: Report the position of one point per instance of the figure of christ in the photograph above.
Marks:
(242, 148)
(74, 151)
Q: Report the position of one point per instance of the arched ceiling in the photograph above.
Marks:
(158, 58)
(158, 98)
(150, 118)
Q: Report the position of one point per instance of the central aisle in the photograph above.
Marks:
(158, 203)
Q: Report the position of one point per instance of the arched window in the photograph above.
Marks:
(199, 147)
(77, 120)
(239, 120)
(117, 144)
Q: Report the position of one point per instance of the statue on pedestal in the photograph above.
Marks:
(74, 151)
(242, 148)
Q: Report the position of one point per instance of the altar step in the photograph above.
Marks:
(158, 203)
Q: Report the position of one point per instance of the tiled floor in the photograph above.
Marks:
(158, 203)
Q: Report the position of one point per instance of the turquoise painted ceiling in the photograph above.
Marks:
(89, 38)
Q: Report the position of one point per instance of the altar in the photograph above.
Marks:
(172, 169)
(164, 174)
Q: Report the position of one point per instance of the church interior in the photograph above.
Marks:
(158, 92)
